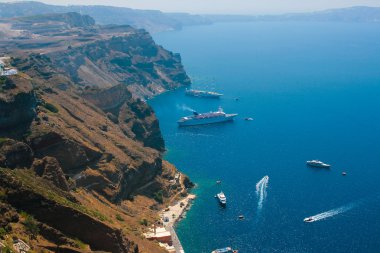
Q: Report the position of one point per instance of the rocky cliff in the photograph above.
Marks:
(150, 20)
(80, 150)
(95, 56)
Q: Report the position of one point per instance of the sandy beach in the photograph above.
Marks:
(166, 235)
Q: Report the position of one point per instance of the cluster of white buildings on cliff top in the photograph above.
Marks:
(4, 70)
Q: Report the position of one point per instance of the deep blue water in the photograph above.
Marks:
(313, 90)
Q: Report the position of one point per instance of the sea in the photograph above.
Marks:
(313, 91)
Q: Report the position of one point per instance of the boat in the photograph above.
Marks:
(309, 219)
(318, 164)
(222, 198)
(344, 173)
(218, 182)
(206, 118)
(248, 119)
(202, 93)
(225, 250)
(241, 217)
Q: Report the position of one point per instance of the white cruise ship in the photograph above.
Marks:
(318, 164)
(202, 93)
(206, 118)
(225, 250)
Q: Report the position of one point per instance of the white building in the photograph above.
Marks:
(2, 66)
(6, 71)
(20, 246)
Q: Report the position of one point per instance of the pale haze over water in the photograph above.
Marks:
(223, 6)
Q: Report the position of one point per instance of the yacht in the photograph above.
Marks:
(309, 219)
(318, 164)
(222, 198)
(225, 250)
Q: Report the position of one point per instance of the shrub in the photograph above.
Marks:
(24, 214)
(3, 232)
(144, 222)
(80, 244)
(7, 249)
(119, 218)
(158, 196)
(3, 139)
(51, 107)
(31, 226)
(3, 194)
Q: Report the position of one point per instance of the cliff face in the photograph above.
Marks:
(95, 56)
(87, 152)
(32, 195)
(132, 59)
(17, 104)
(150, 20)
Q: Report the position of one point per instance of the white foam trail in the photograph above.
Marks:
(332, 212)
(261, 191)
(185, 108)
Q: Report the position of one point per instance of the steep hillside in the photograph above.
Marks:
(150, 20)
(96, 56)
(80, 150)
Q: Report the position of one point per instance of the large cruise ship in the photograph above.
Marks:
(206, 118)
(318, 164)
(202, 93)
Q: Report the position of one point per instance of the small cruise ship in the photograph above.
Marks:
(206, 118)
(222, 198)
(202, 93)
(318, 164)
(225, 250)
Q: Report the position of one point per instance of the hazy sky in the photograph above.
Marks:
(224, 6)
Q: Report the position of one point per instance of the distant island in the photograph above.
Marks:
(351, 14)
(157, 21)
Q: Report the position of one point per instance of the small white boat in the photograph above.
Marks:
(248, 119)
(222, 198)
(309, 219)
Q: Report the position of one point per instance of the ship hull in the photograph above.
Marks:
(319, 166)
(196, 122)
(204, 95)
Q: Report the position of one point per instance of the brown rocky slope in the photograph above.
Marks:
(80, 151)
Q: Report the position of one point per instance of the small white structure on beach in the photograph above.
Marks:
(159, 234)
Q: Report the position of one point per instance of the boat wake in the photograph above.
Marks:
(332, 212)
(261, 191)
(185, 108)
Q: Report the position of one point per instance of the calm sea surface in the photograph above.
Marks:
(313, 90)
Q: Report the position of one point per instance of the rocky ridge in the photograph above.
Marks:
(79, 147)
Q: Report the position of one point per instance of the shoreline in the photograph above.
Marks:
(175, 213)
(166, 235)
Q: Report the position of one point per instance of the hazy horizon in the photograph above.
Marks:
(223, 6)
